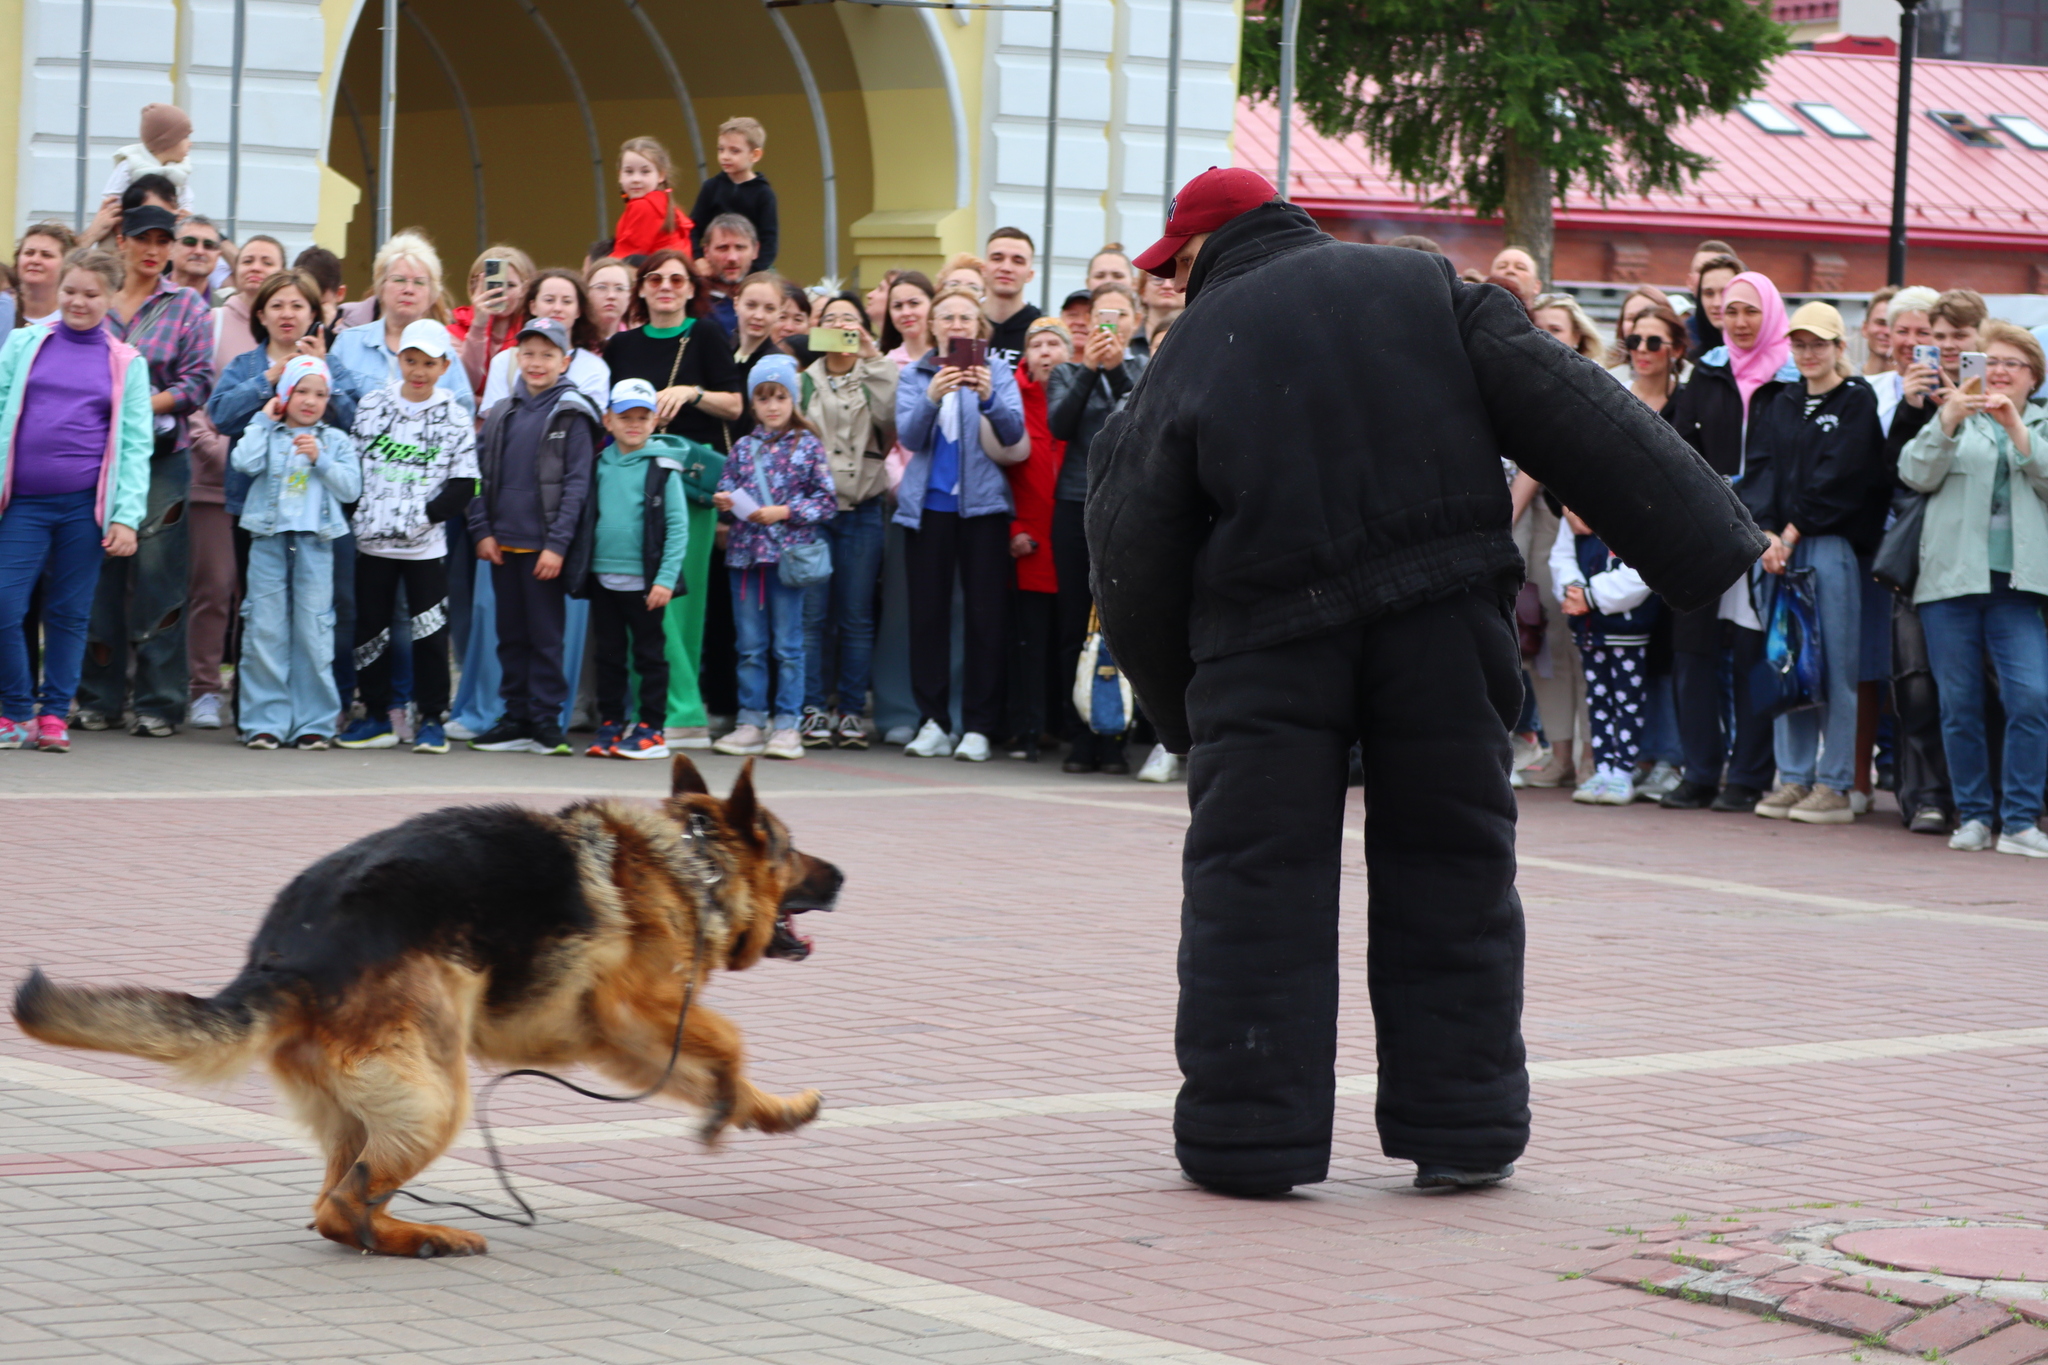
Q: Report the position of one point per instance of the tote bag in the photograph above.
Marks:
(1102, 694)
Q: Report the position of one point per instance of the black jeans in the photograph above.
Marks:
(615, 616)
(138, 609)
(1923, 764)
(1035, 694)
(978, 549)
(532, 616)
(1704, 703)
(1070, 558)
(376, 598)
(1429, 693)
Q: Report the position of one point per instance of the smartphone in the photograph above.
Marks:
(835, 339)
(1972, 365)
(966, 353)
(494, 275)
(1930, 356)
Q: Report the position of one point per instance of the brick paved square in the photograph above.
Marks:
(1735, 1028)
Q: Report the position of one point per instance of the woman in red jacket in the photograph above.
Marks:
(490, 321)
(651, 222)
(1036, 692)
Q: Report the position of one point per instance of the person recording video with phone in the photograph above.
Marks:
(959, 414)
(1080, 396)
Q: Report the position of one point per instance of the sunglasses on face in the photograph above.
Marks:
(1652, 344)
(199, 241)
(668, 279)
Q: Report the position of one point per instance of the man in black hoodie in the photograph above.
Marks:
(1300, 539)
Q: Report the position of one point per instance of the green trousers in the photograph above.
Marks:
(684, 623)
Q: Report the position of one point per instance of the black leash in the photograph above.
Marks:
(709, 878)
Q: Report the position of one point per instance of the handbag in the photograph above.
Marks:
(1788, 677)
(799, 565)
(1102, 694)
(701, 465)
(1897, 563)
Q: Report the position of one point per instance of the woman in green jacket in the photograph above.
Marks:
(1983, 580)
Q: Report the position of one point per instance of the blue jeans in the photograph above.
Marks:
(1819, 743)
(1960, 630)
(766, 615)
(839, 614)
(286, 683)
(57, 534)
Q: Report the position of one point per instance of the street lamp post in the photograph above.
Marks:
(1909, 41)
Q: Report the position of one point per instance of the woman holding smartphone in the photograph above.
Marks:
(954, 505)
(491, 321)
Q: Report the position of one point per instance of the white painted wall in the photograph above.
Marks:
(1112, 110)
(180, 52)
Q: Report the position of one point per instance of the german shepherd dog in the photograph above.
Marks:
(514, 936)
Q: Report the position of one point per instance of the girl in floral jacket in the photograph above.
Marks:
(784, 454)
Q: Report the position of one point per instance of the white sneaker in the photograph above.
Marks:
(455, 729)
(1587, 793)
(1663, 779)
(1161, 766)
(1973, 837)
(1616, 789)
(931, 742)
(972, 748)
(2028, 843)
(206, 712)
(1859, 803)
(743, 740)
(688, 737)
(899, 735)
(784, 744)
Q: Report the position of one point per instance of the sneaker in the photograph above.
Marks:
(899, 735)
(94, 720)
(51, 736)
(688, 737)
(606, 744)
(311, 743)
(13, 734)
(263, 741)
(1529, 751)
(1929, 820)
(850, 733)
(455, 729)
(152, 727)
(644, 741)
(506, 737)
(1823, 806)
(1736, 799)
(1859, 803)
(2027, 843)
(1973, 837)
(1778, 805)
(972, 748)
(207, 712)
(1616, 789)
(931, 742)
(815, 728)
(1452, 1178)
(432, 738)
(1160, 766)
(744, 739)
(785, 744)
(371, 732)
(549, 739)
(1662, 781)
(1588, 793)
(1688, 796)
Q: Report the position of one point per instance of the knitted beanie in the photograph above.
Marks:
(164, 126)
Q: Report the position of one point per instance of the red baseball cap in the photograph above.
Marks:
(1204, 204)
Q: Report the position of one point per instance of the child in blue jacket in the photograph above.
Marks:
(1612, 610)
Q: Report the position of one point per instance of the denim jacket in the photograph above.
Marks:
(265, 453)
(984, 490)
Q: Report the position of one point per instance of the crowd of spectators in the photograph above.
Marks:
(669, 498)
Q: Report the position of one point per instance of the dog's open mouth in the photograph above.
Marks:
(787, 942)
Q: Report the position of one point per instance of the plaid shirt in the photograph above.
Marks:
(174, 332)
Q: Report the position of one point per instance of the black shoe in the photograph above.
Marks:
(506, 737)
(1116, 767)
(1929, 820)
(1737, 799)
(1688, 796)
(549, 739)
(1451, 1178)
(1241, 1187)
(1079, 765)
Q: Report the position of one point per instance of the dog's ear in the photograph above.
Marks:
(742, 811)
(684, 778)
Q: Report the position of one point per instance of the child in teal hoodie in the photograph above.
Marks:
(642, 530)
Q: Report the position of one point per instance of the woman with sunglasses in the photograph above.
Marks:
(1655, 347)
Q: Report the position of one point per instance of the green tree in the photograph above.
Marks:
(1506, 103)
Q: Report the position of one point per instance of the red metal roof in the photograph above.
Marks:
(1808, 186)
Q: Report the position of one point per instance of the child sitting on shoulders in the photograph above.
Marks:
(779, 483)
(650, 221)
(638, 526)
(1612, 610)
(304, 471)
(738, 188)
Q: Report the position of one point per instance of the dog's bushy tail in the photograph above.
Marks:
(203, 1039)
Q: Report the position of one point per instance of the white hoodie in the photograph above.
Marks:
(408, 451)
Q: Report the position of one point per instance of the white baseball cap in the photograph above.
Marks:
(426, 336)
(633, 393)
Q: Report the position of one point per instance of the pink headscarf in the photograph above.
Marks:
(1758, 367)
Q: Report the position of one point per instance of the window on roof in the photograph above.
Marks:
(1967, 130)
(2024, 131)
(1770, 117)
(1831, 120)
